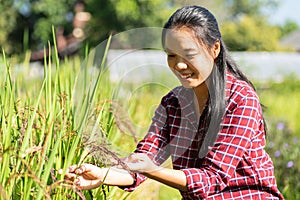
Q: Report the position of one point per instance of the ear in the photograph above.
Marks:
(216, 49)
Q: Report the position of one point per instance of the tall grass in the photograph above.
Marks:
(43, 121)
(69, 114)
(282, 116)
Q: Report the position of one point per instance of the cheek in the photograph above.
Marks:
(204, 66)
(171, 63)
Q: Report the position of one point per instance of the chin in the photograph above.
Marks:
(190, 84)
(186, 85)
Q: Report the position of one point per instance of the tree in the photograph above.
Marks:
(251, 34)
(28, 23)
(288, 27)
(48, 13)
(243, 23)
(7, 24)
(115, 16)
(246, 27)
(238, 8)
(32, 19)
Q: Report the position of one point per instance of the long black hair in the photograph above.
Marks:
(205, 27)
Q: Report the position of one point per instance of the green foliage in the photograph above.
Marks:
(108, 16)
(114, 16)
(33, 16)
(288, 27)
(7, 24)
(249, 7)
(282, 102)
(283, 147)
(42, 122)
(250, 34)
(47, 13)
(26, 23)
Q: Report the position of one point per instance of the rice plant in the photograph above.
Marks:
(45, 123)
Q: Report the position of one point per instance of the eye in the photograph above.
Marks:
(171, 55)
(190, 56)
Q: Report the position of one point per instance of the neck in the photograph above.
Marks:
(201, 96)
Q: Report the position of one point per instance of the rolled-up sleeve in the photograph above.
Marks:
(240, 124)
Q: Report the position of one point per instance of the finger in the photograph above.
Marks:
(70, 176)
(84, 184)
(120, 163)
(85, 168)
(136, 157)
(72, 168)
(82, 169)
(131, 158)
(114, 161)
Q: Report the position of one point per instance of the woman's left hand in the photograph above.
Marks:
(140, 163)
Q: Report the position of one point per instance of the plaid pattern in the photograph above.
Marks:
(235, 167)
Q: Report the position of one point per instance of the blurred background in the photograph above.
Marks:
(262, 25)
(263, 36)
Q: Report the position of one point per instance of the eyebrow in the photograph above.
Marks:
(166, 49)
(185, 50)
(189, 49)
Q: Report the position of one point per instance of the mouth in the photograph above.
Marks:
(186, 76)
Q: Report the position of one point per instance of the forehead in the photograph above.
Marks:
(182, 39)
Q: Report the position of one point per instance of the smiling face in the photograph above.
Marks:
(190, 60)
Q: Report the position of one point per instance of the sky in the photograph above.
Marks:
(287, 10)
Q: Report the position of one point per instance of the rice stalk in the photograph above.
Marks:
(123, 122)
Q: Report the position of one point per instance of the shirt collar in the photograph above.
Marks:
(185, 98)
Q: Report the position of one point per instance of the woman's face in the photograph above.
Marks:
(189, 60)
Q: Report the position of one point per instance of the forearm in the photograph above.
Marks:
(170, 177)
(116, 177)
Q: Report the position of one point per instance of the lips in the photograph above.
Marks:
(186, 76)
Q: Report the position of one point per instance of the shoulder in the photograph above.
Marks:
(239, 92)
(176, 96)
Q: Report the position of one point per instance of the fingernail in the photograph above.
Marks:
(77, 182)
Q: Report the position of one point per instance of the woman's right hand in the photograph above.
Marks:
(86, 176)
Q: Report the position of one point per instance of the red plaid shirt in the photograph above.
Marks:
(235, 167)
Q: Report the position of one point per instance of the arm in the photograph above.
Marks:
(170, 177)
(141, 163)
(89, 176)
(116, 177)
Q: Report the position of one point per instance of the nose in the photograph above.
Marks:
(180, 64)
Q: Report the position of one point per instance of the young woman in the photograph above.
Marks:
(212, 126)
